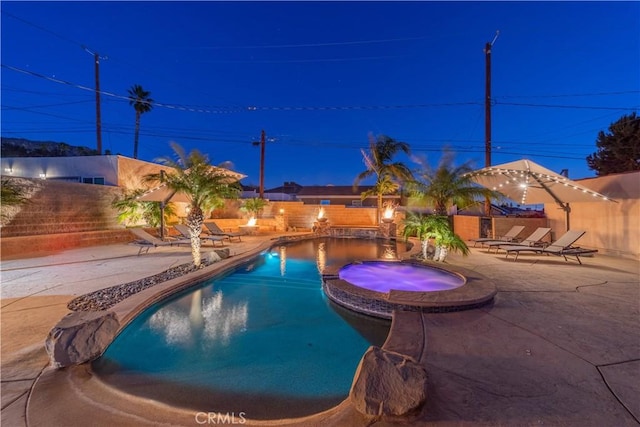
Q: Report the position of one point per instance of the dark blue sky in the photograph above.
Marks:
(318, 77)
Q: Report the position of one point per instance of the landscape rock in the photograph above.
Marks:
(80, 337)
(223, 253)
(388, 384)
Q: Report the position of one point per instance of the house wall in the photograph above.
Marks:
(63, 167)
(131, 172)
(611, 227)
(116, 170)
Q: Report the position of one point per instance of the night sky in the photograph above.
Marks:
(319, 77)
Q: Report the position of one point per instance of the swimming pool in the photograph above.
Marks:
(263, 339)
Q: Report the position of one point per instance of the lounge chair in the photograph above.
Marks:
(509, 236)
(561, 247)
(184, 232)
(533, 240)
(217, 231)
(146, 241)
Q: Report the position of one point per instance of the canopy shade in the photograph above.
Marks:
(529, 183)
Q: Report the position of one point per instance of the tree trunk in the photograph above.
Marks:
(425, 246)
(436, 253)
(443, 253)
(379, 209)
(194, 221)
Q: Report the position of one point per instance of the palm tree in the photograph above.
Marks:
(142, 103)
(379, 161)
(253, 206)
(385, 185)
(449, 241)
(447, 185)
(205, 185)
(424, 227)
(132, 211)
(438, 228)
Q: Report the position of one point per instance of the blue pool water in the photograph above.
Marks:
(263, 340)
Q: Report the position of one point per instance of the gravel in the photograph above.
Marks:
(104, 299)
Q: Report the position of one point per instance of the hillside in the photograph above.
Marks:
(20, 147)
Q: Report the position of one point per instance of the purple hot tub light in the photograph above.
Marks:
(381, 276)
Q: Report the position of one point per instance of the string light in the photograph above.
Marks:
(524, 181)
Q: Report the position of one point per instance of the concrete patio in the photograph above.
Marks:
(559, 346)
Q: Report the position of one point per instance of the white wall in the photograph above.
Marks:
(58, 167)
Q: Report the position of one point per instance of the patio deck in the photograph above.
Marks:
(560, 345)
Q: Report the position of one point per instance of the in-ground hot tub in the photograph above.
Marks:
(377, 288)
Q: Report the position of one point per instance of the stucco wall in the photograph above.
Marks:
(612, 227)
(301, 215)
(471, 227)
(132, 171)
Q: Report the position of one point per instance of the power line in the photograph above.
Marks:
(43, 113)
(6, 107)
(586, 107)
(225, 110)
(625, 92)
(67, 39)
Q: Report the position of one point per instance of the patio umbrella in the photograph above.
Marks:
(163, 194)
(530, 183)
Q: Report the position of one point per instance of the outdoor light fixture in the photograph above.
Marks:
(9, 170)
(321, 215)
(43, 176)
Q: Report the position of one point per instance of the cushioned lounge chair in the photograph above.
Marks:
(561, 247)
(217, 231)
(184, 232)
(509, 236)
(147, 241)
(533, 240)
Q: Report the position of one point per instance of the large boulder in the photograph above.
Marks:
(388, 384)
(81, 336)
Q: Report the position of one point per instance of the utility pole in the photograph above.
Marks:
(262, 142)
(96, 59)
(98, 118)
(487, 114)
